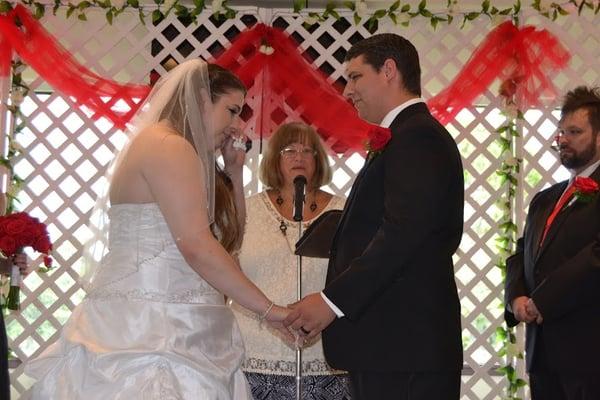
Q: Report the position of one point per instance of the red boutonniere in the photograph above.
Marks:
(585, 188)
(378, 139)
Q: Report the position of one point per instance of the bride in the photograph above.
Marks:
(154, 324)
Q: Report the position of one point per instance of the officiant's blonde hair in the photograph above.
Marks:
(293, 132)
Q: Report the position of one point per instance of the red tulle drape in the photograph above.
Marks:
(268, 60)
(527, 56)
(59, 68)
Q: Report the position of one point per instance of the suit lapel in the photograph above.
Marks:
(553, 198)
(562, 216)
(538, 228)
(395, 127)
(350, 199)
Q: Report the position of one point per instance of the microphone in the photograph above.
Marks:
(299, 187)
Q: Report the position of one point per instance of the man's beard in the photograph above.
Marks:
(578, 160)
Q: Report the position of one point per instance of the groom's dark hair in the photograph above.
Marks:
(378, 48)
(586, 98)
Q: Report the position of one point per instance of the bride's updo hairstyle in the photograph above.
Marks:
(226, 227)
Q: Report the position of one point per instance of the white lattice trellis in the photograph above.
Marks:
(66, 152)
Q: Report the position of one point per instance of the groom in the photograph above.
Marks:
(390, 307)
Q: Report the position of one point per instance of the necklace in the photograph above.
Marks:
(284, 225)
(313, 205)
(279, 201)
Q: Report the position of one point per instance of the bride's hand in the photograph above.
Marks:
(234, 157)
(275, 319)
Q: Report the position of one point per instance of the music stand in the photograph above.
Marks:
(318, 237)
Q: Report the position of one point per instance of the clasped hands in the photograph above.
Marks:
(525, 310)
(309, 316)
(303, 320)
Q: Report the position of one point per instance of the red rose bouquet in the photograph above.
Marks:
(20, 230)
(585, 188)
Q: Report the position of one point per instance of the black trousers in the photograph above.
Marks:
(550, 384)
(4, 381)
(564, 386)
(405, 386)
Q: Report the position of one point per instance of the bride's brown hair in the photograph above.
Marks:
(226, 226)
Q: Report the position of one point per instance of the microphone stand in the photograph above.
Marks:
(299, 197)
(299, 350)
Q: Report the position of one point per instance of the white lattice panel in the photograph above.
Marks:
(66, 153)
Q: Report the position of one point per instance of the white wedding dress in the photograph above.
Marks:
(159, 332)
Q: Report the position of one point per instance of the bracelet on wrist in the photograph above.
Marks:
(264, 315)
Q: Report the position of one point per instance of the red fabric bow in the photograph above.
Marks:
(60, 69)
(286, 83)
(525, 58)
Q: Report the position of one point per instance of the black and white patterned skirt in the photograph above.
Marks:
(314, 387)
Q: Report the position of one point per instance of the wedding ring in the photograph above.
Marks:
(304, 330)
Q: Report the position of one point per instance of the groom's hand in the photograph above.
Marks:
(310, 316)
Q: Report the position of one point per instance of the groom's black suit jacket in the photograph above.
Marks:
(390, 268)
(563, 278)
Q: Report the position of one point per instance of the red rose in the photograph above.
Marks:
(26, 238)
(508, 88)
(39, 229)
(3, 223)
(8, 245)
(42, 245)
(47, 261)
(378, 138)
(585, 185)
(15, 226)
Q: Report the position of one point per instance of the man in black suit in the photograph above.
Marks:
(5, 267)
(4, 380)
(553, 279)
(391, 278)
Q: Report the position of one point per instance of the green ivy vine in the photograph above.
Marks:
(508, 230)
(400, 13)
(18, 92)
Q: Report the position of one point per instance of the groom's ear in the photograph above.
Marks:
(389, 69)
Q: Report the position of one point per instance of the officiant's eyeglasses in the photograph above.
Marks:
(290, 152)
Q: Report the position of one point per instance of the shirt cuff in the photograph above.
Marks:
(333, 307)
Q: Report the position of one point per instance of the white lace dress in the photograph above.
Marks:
(158, 333)
(267, 258)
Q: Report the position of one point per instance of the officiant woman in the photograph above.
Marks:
(267, 258)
